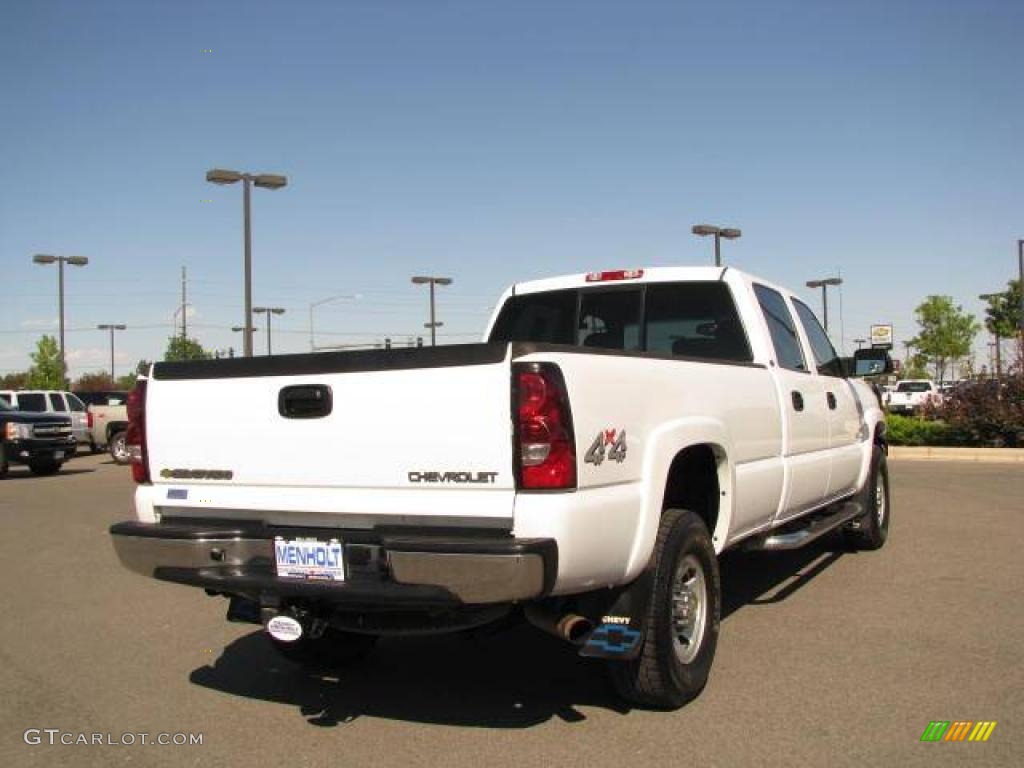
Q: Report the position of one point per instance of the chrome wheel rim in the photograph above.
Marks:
(120, 449)
(880, 500)
(689, 608)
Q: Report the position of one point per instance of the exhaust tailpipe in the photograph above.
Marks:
(570, 627)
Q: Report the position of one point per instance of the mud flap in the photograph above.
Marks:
(618, 616)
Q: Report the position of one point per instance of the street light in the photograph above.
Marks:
(268, 311)
(703, 230)
(111, 327)
(824, 284)
(266, 181)
(75, 261)
(995, 333)
(312, 346)
(433, 325)
(860, 342)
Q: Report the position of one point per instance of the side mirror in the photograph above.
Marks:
(871, 362)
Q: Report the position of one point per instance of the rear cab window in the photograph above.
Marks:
(692, 320)
(32, 401)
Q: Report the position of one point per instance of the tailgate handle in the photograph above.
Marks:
(305, 401)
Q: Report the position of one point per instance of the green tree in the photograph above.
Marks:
(1002, 319)
(93, 382)
(1002, 315)
(181, 348)
(142, 368)
(46, 371)
(126, 382)
(14, 380)
(916, 367)
(946, 332)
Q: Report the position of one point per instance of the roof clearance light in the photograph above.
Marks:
(617, 274)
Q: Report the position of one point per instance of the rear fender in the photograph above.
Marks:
(663, 446)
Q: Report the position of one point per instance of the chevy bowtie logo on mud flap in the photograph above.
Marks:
(196, 474)
(452, 477)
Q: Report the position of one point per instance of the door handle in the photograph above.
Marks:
(798, 400)
(831, 400)
(305, 401)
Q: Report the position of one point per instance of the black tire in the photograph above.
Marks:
(872, 529)
(4, 466)
(93, 448)
(332, 650)
(117, 448)
(668, 673)
(44, 466)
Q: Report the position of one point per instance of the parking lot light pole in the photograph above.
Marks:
(112, 327)
(824, 283)
(860, 342)
(266, 181)
(729, 233)
(433, 325)
(75, 261)
(268, 311)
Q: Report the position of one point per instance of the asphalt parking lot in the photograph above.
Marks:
(826, 657)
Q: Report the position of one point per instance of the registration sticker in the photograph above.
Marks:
(309, 559)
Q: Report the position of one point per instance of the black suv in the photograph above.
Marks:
(41, 440)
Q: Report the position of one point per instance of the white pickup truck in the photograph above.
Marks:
(584, 467)
(911, 395)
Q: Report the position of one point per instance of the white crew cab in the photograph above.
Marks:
(586, 465)
(911, 395)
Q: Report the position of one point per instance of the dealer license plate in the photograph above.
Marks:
(58, 454)
(310, 559)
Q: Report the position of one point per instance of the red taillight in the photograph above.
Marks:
(544, 435)
(135, 434)
(616, 274)
(88, 419)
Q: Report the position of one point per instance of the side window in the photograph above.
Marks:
(781, 328)
(695, 320)
(6, 398)
(824, 353)
(57, 402)
(609, 320)
(543, 318)
(76, 404)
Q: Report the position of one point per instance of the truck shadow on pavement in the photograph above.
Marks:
(23, 473)
(513, 678)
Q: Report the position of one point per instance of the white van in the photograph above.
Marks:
(51, 401)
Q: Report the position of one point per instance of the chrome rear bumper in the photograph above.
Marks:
(384, 570)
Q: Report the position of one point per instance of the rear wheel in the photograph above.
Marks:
(4, 466)
(682, 622)
(118, 448)
(44, 466)
(333, 649)
(872, 529)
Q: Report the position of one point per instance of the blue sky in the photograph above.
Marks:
(494, 142)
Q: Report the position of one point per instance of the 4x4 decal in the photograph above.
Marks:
(599, 449)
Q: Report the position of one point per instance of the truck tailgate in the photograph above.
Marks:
(409, 432)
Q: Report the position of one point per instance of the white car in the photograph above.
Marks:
(52, 401)
(586, 466)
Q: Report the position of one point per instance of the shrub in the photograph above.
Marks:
(913, 430)
(986, 413)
